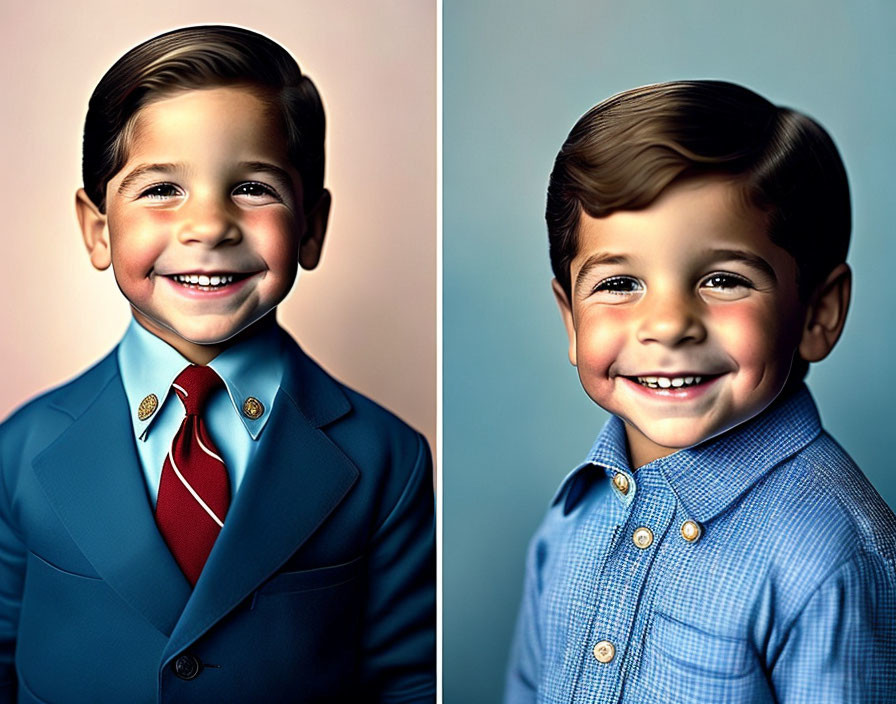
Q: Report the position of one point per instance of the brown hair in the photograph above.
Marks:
(625, 151)
(193, 58)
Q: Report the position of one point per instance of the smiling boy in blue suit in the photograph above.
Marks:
(206, 515)
(716, 544)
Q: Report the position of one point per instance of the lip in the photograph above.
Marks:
(194, 292)
(685, 393)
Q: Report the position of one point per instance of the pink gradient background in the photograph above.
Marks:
(367, 314)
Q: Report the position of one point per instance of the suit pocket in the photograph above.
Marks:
(317, 578)
(62, 570)
(79, 642)
(683, 664)
(311, 622)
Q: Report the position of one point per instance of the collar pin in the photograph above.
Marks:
(253, 409)
(147, 406)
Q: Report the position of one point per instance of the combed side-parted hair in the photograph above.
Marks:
(204, 56)
(625, 151)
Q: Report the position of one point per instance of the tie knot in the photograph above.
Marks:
(194, 385)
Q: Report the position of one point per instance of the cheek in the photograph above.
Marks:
(276, 238)
(599, 339)
(755, 336)
(137, 240)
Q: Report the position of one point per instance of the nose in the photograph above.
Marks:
(671, 319)
(207, 220)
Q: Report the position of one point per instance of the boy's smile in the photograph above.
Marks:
(684, 318)
(205, 222)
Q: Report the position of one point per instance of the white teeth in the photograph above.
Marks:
(204, 279)
(664, 382)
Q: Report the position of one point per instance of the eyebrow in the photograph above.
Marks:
(268, 168)
(597, 259)
(142, 169)
(748, 258)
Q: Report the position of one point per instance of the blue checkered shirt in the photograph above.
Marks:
(767, 573)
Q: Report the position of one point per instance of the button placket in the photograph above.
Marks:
(594, 541)
(622, 583)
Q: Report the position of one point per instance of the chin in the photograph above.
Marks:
(211, 338)
(206, 334)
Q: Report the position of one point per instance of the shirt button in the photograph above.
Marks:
(604, 651)
(186, 666)
(691, 531)
(643, 537)
(620, 481)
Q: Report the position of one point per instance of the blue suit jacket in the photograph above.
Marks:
(320, 587)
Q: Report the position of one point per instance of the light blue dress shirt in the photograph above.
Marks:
(784, 592)
(149, 365)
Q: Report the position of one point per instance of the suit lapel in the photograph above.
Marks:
(92, 478)
(298, 477)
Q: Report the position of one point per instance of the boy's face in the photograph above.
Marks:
(204, 225)
(684, 317)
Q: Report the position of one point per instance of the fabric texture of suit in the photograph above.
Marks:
(320, 587)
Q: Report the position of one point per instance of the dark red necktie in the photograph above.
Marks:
(194, 492)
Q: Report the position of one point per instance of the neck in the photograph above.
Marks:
(199, 353)
(642, 450)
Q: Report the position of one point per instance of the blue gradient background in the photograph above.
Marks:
(517, 75)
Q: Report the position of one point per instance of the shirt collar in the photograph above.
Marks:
(709, 477)
(149, 365)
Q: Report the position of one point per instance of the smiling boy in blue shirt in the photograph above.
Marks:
(716, 545)
(206, 515)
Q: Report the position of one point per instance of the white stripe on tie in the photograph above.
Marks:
(181, 389)
(204, 448)
(193, 491)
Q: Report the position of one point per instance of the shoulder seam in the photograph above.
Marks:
(856, 528)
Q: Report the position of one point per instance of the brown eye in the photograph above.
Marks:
(256, 190)
(619, 285)
(161, 191)
(726, 281)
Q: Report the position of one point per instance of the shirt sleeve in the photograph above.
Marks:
(842, 646)
(525, 654)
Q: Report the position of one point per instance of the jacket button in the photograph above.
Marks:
(187, 666)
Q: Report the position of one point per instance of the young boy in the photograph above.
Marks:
(206, 515)
(716, 545)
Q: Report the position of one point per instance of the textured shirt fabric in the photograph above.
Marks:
(788, 595)
(253, 367)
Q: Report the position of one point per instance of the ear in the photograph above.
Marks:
(566, 314)
(312, 243)
(93, 230)
(826, 315)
